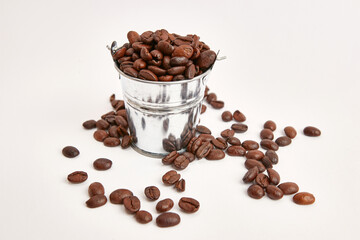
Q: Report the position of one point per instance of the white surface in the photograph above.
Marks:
(295, 62)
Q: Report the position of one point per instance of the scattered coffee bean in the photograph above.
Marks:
(132, 204)
(96, 201)
(102, 124)
(219, 143)
(211, 97)
(274, 192)
(255, 191)
(189, 205)
(239, 116)
(126, 141)
(96, 188)
(113, 132)
(250, 175)
(189, 156)
(289, 188)
(267, 162)
(234, 141)
(268, 144)
(312, 131)
(70, 151)
(171, 177)
(169, 159)
(180, 185)
(204, 150)
(217, 104)
(254, 154)
(250, 163)
(181, 162)
(273, 176)
(118, 196)
(227, 133)
(164, 205)
(112, 142)
(100, 135)
(272, 155)
(102, 164)
(226, 116)
(120, 120)
(202, 129)
(77, 177)
(143, 216)
(152, 192)
(290, 132)
(215, 154)
(239, 127)
(266, 134)
(270, 125)
(203, 109)
(262, 180)
(235, 151)
(304, 198)
(206, 137)
(168, 219)
(250, 145)
(283, 141)
(89, 124)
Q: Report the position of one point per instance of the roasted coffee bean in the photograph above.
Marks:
(111, 113)
(206, 137)
(132, 204)
(250, 163)
(165, 47)
(110, 119)
(126, 64)
(211, 97)
(129, 52)
(168, 145)
(102, 124)
(166, 62)
(169, 159)
(289, 188)
(119, 53)
(290, 132)
(255, 191)
(189, 156)
(234, 141)
(219, 143)
(77, 177)
(164, 205)
(254, 154)
(122, 131)
(283, 141)
(312, 131)
(180, 185)
(96, 201)
(102, 164)
(118, 196)
(202, 129)
(135, 56)
(70, 151)
(176, 70)
(113, 104)
(112, 142)
(121, 121)
(189, 205)
(179, 77)
(181, 162)
(139, 45)
(166, 78)
(268, 144)
(89, 124)
(262, 180)
(126, 141)
(148, 75)
(168, 219)
(266, 134)
(122, 112)
(250, 175)
(171, 177)
(133, 37)
(183, 51)
(250, 145)
(272, 155)
(227, 133)
(158, 71)
(120, 105)
(178, 61)
(152, 192)
(143, 216)
(204, 150)
(139, 64)
(131, 72)
(217, 104)
(304, 198)
(206, 59)
(96, 188)
(239, 127)
(191, 142)
(190, 71)
(235, 151)
(203, 109)
(270, 125)
(113, 132)
(226, 116)
(274, 192)
(195, 146)
(239, 116)
(100, 135)
(124, 59)
(147, 37)
(267, 162)
(157, 55)
(215, 154)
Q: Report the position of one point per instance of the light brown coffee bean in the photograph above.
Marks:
(266, 134)
(102, 164)
(272, 155)
(164, 205)
(168, 219)
(171, 177)
(77, 177)
(112, 142)
(290, 132)
(250, 163)
(148, 75)
(132, 204)
(227, 133)
(304, 198)
(235, 151)
(283, 141)
(204, 150)
(226, 116)
(211, 97)
(274, 192)
(270, 125)
(100, 135)
(234, 141)
(206, 137)
(189, 205)
(96, 201)
(255, 191)
(118, 196)
(96, 188)
(215, 154)
(181, 162)
(133, 37)
(239, 116)
(250, 145)
(143, 216)
(152, 193)
(273, 176)
(219, 143)
(312, 131)
(202, 129)
(250, 175)
(239, 127)
(169, 159)
(180, 185)
(289, 188)
(189, 156)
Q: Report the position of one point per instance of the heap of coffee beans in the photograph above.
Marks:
(163, 56)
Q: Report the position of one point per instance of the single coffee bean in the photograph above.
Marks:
(110, 119)
(272, 155)
(190, 71)
(178, 61)
(126, 141)
(143, 216)
(168, 145)
(132, 204)
(137, 46)
(235, 151)
(102, 124)
(266, 162)
(166, 78)
(274, 192)
(283, 141)
(120, 105)
(180, 185)
(171, 177)
(169, 159)
(217, 104)
(122, 131)
(157, 55)
(234, 141)
(111, 113)
(250, 175)
(227, 133)
(206, 137)
(119, 54)
(164, 205)
(121, 121)
(206, 59)
(96, 201)
(239, 127)
(126, 64)
(250, 145)
(266, 134)
(226, 116)
(183, 51)
(145, 54)
(118, 196)
(289, 188)
(112, 142)
(250, 163)
(215, 154)
(270, 125)
(202, 129)
(312, 131)
(195, 146)
(102, 164)
(133, 37)
(239, 116)
(254, 154)
(189, 205)
(176, 70)
(168, 219)
(77, 177)
(165, 47)
(268, 144)
(129, 52)
(158, 71)
(290, 132)
(96, 188)
(262, 180)
(178, 77)
(70, 151)
(219, 143)
(191, 142)
(148, 75)
(304, 198)
(113, 132)
(204, 150)
(181, 162)
(152, 192)
(122, 112)
(203, 109)
(189, 156)
(255, 191)
(147, 37)
(211, 97)
(89, 124)
(139, 64)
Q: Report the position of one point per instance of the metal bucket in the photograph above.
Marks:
(162, 116)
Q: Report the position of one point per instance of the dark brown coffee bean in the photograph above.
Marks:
(191, 142)
(96, 188)
(143, 216)
(168, 219)
(135, 56)
(131, 72)
(133, 37)
(206, 59)
(118, 196)
(283, 141)
(250, 163)
(164, 205)
(96, 201)
(239, 127)
(180, 185)
(126, 64)
(235, 151)
(274, 192)
(195, 146)
(211, 97)
(169, 159)
(226, 116)
(234, 141)
(113, 132)
(157, 55)
(239, 116)
(290, 132)
(178, 61)
(77, 177)
(202, 129)
(139, 45)
(102, 164)
(189, 205)
(165, 47)
(289, 188)
(176, 70)
(126, 141)
(270, 125)
(158, 71)
(148, 75)
(122, 112)
(129, 52)
(111, 113)
(272, 156)
(132, 204)
(70, 151)
(147, 37)
(203, 109)
(183, 51)
(273, 176)
(179, 77)
(124, 59)
(206, 137)
(152, 192)
(206, 92)
(227, 133)
(304, 198)
(102, 124)
(255, 191)
(168, 145)
(250, 145)
(215, 154)
(190, 72)
(250, 175)
(112, 142)
(171, 177)
(110, 119)
(204, 150)
(166, 78)
(219, 143)
(121, 121)
(267, 162)
(262, 180)
(266, 134)
(89, 124)
(139, 64)
(268, 144)
(113, 104)
(254, 154)
(312, 131)
(119, 54)
(217, 104)
(181, 162)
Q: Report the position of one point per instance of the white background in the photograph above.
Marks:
(295, 62)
